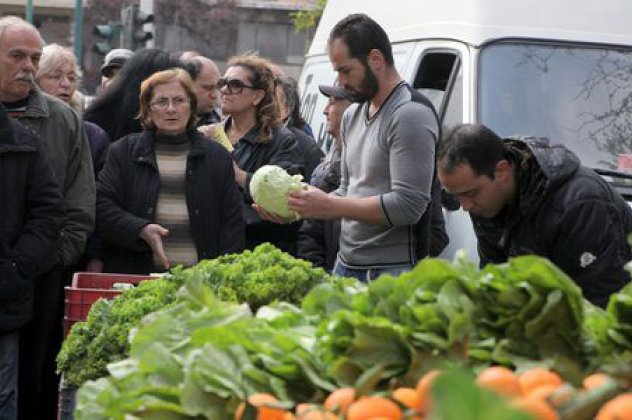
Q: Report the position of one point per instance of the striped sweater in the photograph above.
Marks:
(171, 210)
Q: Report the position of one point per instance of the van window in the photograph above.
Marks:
(440, 78)
(433, 76)
(577, 95)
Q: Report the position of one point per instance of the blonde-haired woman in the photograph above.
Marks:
(252, 125)
(167, 195)
(58, 75)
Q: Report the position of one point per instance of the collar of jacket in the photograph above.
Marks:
(7, 135)
(9, 138)
(146, 152)
(251, 136)
(37, 107)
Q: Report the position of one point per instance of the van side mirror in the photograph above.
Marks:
(449, 201)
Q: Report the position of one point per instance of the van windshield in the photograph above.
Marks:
(580, 96)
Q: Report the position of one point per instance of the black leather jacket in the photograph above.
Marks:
(565, 212)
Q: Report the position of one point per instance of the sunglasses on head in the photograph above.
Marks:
(233, 85)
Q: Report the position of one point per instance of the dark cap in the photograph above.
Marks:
(115, 59)
(337, 92)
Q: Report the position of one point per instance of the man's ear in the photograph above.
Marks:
(375, 59)
(503, 170)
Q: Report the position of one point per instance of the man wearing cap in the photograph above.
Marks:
(318, 239)
(60, 127)
(112, 64)
(388, 156)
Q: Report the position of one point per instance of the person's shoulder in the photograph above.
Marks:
(353, 109)
(93, 127)
(301, 136)
(128, 143)
(305, 141)
(281, 131)
(412, 101)
(413, 112)
(585, 184)
(281, 134)
(57, 106)
(24, 135)
(211, 149)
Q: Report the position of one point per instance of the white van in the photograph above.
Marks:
(560, 69)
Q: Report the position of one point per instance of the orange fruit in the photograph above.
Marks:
(500, 380)
(259, 400)
(340, 399)
(373, 408)
(537, 408)
(423, 389)
(595, 380)
(408, 397)
(317, 415)
(618, 408)
(307, 411)
(537, 377)
(303, 408)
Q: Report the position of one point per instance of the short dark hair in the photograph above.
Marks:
(474, 145)
(361, 34)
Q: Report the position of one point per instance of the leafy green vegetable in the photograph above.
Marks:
(103, 337)
(257, 277)
(199, 356)
(270, 186)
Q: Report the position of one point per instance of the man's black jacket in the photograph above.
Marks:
(565, 212)
(31, 216)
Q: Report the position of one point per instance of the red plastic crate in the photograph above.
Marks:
(86, 288)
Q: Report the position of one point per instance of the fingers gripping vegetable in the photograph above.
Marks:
(270, 186)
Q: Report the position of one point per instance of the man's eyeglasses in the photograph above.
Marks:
(233, 86)
(163, 103)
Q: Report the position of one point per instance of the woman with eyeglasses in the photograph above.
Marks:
(252, 126)
(58, 75)
(167, 195)
(115, 108)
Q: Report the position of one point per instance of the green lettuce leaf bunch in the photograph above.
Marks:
(258, 277)
(199, 357)
(103, 337)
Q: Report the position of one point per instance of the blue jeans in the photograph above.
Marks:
(9, 344)
(369, 274)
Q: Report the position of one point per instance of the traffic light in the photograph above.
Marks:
(111, 33)
(134, 36)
